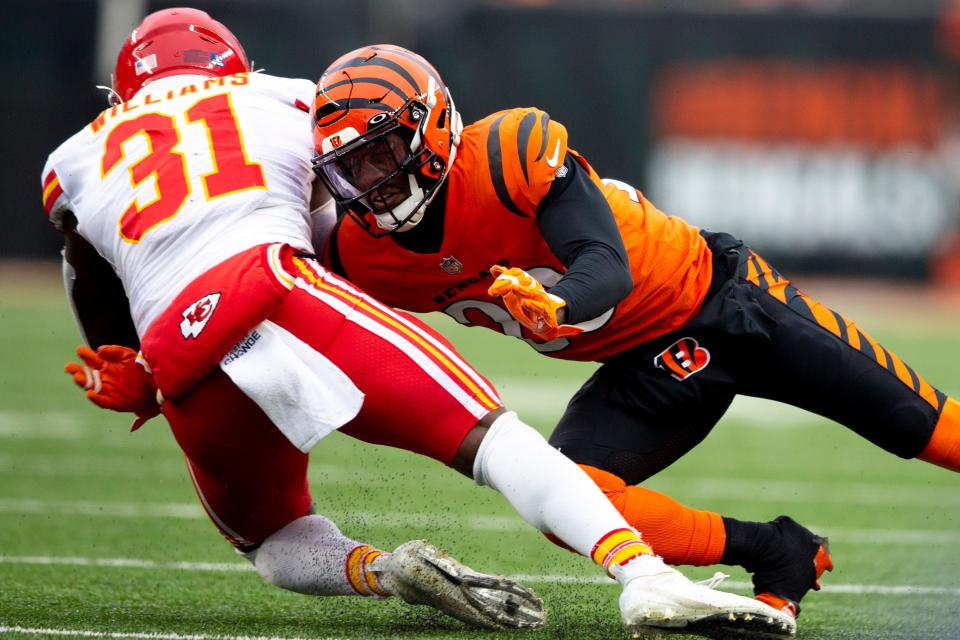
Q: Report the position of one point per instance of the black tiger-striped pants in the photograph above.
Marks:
(758, 335)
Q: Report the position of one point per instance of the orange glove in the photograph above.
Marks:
(532, 305)
(115, 380)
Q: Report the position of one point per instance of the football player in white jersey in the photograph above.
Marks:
(186, 209)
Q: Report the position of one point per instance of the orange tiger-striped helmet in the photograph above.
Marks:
(386, 133)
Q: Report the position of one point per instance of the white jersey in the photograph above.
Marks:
(187, 173)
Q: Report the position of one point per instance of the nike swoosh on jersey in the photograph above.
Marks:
(555, 156)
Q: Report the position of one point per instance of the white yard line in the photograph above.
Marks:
(40, 424)
(145, 635)
(690, 488)
(191, 511)
(132, 563)
(89, 466)
(233, 567)
(813, 492)
(187, 510)
(530, 397)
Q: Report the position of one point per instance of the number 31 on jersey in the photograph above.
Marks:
(232, 169)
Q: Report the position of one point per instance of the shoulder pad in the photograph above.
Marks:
(525, 148)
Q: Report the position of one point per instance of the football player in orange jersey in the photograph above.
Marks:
(500, 224)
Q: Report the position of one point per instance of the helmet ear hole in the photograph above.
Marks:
(378, 119)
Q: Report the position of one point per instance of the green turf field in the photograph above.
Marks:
(101, 536)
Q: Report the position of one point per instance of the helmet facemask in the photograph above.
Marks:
(384, 90)
(386, 174)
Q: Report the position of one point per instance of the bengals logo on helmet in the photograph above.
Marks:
(683, 358)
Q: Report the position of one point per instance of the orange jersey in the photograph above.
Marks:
(504, 167)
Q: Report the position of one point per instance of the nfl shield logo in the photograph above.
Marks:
(451, 265)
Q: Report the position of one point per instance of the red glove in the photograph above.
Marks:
(114, 379)
(531, 304)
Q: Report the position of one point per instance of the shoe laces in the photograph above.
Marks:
(714, 581)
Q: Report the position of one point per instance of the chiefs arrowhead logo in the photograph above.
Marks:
(196, 316)
(683, 358)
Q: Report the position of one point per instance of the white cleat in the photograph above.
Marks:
(419, 573)
(658, 600)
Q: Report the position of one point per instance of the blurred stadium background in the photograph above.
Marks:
(824, 132)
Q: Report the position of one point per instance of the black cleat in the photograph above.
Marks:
(790, 566)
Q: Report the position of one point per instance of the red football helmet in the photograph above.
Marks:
(386, 134)
(175, 41)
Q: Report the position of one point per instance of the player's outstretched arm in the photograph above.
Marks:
(578, 224)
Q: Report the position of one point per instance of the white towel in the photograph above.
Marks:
(302, 392)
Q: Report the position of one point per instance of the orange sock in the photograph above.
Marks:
(679, 534)
(944, 447)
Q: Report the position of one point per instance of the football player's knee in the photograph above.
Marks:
(466, 455)
(612, 486)
(505, 444)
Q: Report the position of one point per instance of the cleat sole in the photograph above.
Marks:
(494, 602)
(725, 626)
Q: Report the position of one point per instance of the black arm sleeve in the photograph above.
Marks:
(578, 225)
(99, 300)
(331, 252)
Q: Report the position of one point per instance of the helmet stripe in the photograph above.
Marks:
(420, 62)
(523, 137)
(366, 80)
(495, 159)
(544, 121)
(352, 62)
(330, 108)
(381, 62)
